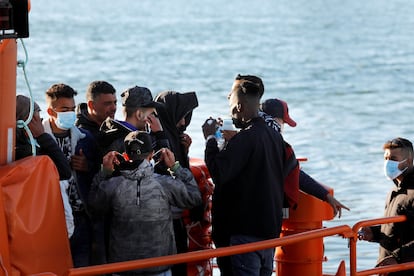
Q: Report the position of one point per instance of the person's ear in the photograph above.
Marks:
(239, 107)
(51, 112)
(409, 161)
(90, 105)
(149, 157)
(139, 115)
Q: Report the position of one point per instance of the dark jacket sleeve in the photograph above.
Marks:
(310, 186)
(376, 233)
(161, 140)
(405, 253)
(291, 180)
(91, 152)
(49, 147)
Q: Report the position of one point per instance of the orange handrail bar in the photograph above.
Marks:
(388, 268)
(344, 230)
(353, 239)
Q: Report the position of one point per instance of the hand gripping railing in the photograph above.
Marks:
(353, 252)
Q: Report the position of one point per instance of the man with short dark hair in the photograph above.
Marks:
(249, 176)
(101, 103)
(254, 79)
(79, 148)
(396, 240)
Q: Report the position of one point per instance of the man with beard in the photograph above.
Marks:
(101, 104)
(249, 179)
(396, 240)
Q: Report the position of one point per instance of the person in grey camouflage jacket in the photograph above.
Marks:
(139, 202)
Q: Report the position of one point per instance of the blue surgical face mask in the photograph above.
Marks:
(391, 169)
(65, 120)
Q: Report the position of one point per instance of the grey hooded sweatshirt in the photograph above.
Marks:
(139, 202)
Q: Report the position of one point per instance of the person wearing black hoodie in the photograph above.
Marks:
(175, 114)
(101, 104)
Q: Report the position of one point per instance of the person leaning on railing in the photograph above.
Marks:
(275, 112)
(396, 239)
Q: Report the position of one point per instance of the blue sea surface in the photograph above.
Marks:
(346, 69)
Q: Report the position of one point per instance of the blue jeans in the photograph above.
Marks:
(257, 263)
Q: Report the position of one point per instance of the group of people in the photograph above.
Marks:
(125, 183)
(97, 157)
(255, 166)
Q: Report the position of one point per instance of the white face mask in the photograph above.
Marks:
(65, 120)
(391, 169)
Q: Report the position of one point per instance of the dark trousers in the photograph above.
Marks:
(181, 242)
(100, 239)
(80, 242)
(223, 263)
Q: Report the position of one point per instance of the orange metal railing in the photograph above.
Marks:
(353, 251)
(343, 230)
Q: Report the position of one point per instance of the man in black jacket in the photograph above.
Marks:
(396, 239)
(248, 174)
(101, 104)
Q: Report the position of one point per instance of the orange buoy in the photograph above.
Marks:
(199, 232)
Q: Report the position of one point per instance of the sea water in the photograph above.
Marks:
(346, 69)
